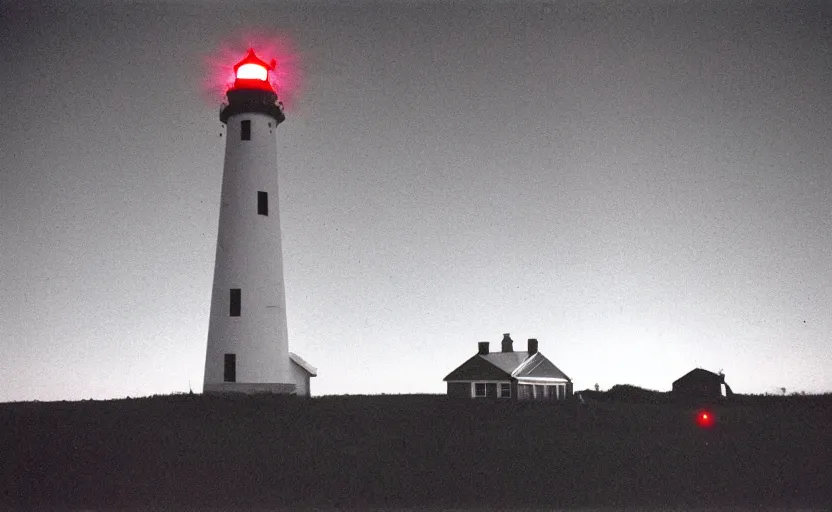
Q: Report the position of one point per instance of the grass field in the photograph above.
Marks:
(414, 451)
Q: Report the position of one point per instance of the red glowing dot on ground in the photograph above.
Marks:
(704, 419)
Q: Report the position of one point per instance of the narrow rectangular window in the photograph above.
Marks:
(491, 390)
(505, 390)
(479, 389)
(262, 203)
(235, 302)
(230, 371)
(245, 130)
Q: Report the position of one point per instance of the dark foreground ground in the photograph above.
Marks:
(426, 451)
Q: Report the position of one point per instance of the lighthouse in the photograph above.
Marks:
(248, 343)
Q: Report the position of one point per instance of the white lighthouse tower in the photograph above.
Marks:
(248, 344)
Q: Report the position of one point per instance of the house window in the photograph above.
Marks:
(539, 391)
(505, 390)
(245, 130)
(262, 203)
(479, 389)
(230, 371)
(554, 392)
(235, 302)
(491, 390)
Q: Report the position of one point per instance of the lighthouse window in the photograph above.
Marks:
(230, 370)
(235, 302)
(245, 130)
(262, 203)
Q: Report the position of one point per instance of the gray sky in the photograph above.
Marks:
(643, 186)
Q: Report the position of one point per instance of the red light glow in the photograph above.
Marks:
(284, 78)
(705, 419)
(252, 72)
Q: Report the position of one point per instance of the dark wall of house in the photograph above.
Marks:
(459, 389)
(569, 391)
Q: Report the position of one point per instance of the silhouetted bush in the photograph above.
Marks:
(626, 393)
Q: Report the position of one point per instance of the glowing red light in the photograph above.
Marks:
(226, 70)
(253, 73)
(705, 419)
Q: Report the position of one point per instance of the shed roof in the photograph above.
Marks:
(311, 370)
(699, 374)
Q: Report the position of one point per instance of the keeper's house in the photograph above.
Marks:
(509, 374)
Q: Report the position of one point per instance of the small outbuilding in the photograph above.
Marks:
(508, 374)
(701, 385)
(301, 374)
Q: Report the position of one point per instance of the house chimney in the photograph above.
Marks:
(483, 348)
(532, 346)
(507, 343)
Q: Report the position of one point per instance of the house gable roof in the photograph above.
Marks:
(540, 367)
(311, 370)
(507, 361)
(478, 368)
(505, 365)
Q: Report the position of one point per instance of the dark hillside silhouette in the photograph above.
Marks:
(412, 450)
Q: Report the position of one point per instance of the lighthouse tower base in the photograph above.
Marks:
(250, 388)
(301, 374)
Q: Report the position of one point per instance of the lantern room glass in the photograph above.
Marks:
(252, 72)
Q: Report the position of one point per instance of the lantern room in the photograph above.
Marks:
(253, 73)
(252, 90)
